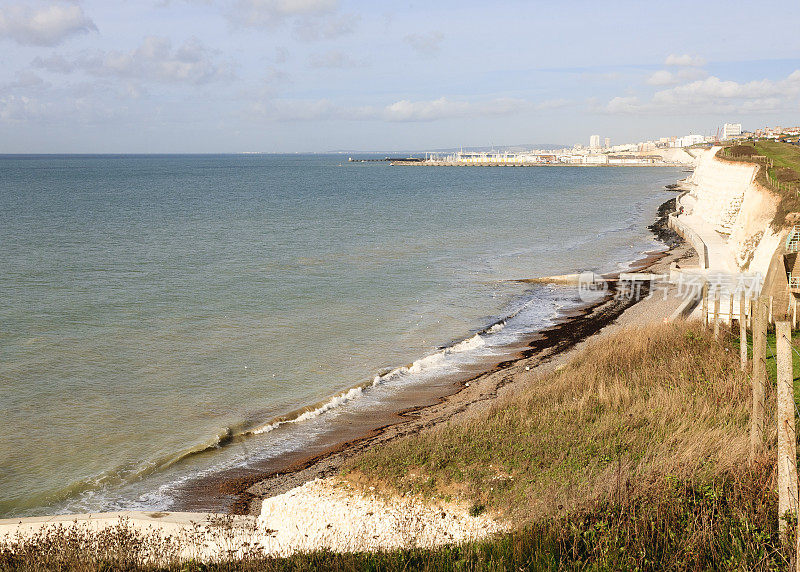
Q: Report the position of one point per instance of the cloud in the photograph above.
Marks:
(133, 91)
(66, 110)
(54, 63)
(443, 108)
(312, 20)
(44, 26)
(629, 104)
(713, 89)
(425, 44)
(684, 60)
(296, 110)
(688, 74)
(272, 12)
(714, 95)
(662, 77)
(281, 55)
(334, 59)
(154, 60)
(15, 108)
(552, 104)
(25, 80)
(400, 111)
(327, 27)
(405, 110)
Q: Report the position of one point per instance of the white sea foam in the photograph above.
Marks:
(533, 314)
(498, 327)
(335, 401)
(435, 361)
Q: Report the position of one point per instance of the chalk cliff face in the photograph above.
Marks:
(729, 198)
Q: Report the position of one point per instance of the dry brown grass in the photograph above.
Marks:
(742, 150)
(73, 547)
(632, 411)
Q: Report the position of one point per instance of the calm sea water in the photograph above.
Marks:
(154, 306)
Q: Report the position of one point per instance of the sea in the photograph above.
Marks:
(165, 318)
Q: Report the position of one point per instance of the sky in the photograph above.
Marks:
(285, 76)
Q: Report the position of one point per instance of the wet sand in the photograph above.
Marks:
(239, 491)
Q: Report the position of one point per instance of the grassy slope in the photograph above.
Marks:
(786, 169)
(786, 159)
(782, 154)
(630, 412)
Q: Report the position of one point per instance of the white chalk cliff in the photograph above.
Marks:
(727, 197)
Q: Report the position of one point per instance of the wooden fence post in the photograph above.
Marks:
(759, 377)
(769, 320)
(787, 450)
(742, 331)
(716, 312)
(730, 310)
(705, 303)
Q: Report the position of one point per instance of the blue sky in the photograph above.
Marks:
(317, 75)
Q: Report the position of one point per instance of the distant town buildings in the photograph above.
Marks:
(689, 140)
(562, 157)
(652, 152)
(731, 130)
(776, 132)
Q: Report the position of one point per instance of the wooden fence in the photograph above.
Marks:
(756, 315)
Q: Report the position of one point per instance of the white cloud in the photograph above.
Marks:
(54, 63)
(153, 60)
(714, 89)
(67, 108)
(26, 81)
(271, 12)
(334, 59)
(399, 111)
(47, 25)
(552, 104)
(425, 44)
(689, 74)
(714, 95)
(312, 20)
(405, 110)
(444, 108)
(629, 104)
(281, 55)
(295, 110)
(19, 108)
(665, 77)
(684, 60)
(662, 77)
(324, 27)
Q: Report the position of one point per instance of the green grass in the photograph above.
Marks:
(771, 358)
(786, 169)
(782, 154)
